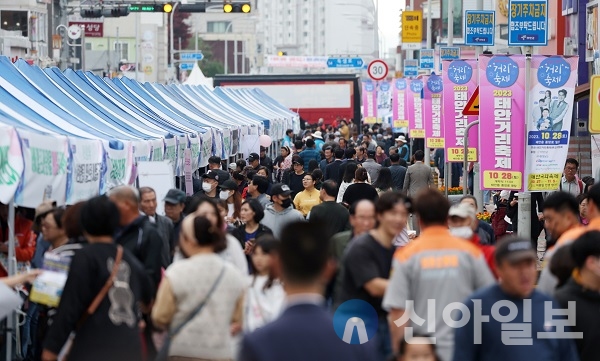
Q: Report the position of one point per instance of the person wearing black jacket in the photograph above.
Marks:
(265, 160)
(251, 214)
(537, 206)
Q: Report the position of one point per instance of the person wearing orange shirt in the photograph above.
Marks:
(25, 245)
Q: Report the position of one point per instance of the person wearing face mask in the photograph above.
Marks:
(463, 223)
(280, 212)
(233, 198)
(210, 184)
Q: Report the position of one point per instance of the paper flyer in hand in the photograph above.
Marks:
(47, 288)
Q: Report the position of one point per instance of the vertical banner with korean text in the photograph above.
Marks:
(502, 127)
(384, 102)
(460, 81)
(369, 95)
(399, 118)
(87, 163)
(551, 95)
(432, 111)
(414, 109)
(46, 160)
(11, 163)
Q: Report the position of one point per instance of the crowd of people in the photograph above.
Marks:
(254, 264)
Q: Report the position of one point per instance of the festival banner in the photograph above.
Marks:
(182, 145)
(460, 81)
(158, 150)
(11, 163)
(369, 95)
(502, 109)
(87, 162)
(414, 109)
(46, 162)
(551, 95)
(195, 150)
(142, 150)
(399, 118)
(217, 142)
(226, 143)
(384, 102)
(432, 111)
(171, 152)
(206, 148)
(119, 164)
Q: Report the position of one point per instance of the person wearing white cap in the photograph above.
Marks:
(318, 136)
(403, 149)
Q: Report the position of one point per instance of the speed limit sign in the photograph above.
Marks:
(378, 70)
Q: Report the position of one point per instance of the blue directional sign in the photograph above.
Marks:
(426, 58)
(345, 63)
(191, 56)
(186, 66)
(528, 22)
(479, 27)
(411, 67)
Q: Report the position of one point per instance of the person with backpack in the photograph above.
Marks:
(570, 182)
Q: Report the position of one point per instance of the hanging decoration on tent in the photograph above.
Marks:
(158, 150)
(11, 163)
(87, 162)
(46, 161)
(194, 145)
(119, 164)
(265, 140)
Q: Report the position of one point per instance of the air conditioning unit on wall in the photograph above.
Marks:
(570, 46)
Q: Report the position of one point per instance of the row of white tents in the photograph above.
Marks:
(69, 135)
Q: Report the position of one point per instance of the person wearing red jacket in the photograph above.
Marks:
(463, 222)
(25, 245)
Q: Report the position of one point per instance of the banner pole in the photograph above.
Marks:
(524, 199)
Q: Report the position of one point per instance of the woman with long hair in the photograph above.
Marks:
(265, 295)
(229, 193)
(384, 181)
(360, 189)
(203, 277)
(347, 180)
(282, 163)
(309, 197)
(251, 214)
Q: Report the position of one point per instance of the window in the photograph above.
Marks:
(14, 21)
(218, 26)
(305, 22)
(88, 46)
(305, 34)
(122, 49)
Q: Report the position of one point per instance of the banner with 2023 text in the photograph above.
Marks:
(399, 117)
(414, 109)
(432, 111)
(369, 95)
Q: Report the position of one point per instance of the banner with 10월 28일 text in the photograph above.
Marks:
(501, 113)
(369, 93)
(551, 95)
(399, 118)
(460, 81)
(414, 109)
(432, 111)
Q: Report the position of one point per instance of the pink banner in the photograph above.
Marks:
(414, 109)
(432, 111)
(460, 81)
(502, 109)
(369, 93)
(399, 118)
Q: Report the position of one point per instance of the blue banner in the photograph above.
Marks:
(426, 58)
(528, 23)
(479, 27)
(411, 67)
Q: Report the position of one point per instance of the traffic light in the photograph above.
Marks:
(91, 13)
(244, 7)
(151, 8)
(191, 8)
(116, 12)
(282, 53)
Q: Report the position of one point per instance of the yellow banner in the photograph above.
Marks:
(544, 181)
(502, 180)
(400, 123)
(456, 155)
(412, 26)
(417, 133)
(594, 119)
(435, 143)
(370, 120)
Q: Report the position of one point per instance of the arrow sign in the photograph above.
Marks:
(345, 63)
(191, 56)
(186, 66)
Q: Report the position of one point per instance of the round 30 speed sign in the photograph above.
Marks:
(378, 70)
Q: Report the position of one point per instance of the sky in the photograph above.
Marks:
(389, 22)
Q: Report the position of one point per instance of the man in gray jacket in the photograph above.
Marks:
(418, 176)
(281, 212)
(371, 166)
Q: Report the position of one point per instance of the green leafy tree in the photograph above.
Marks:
(208, 65)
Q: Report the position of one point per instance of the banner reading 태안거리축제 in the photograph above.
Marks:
(414, 109)
(551, 95)
(369, 95)
(11, 163)
(502, 123)
(432, 111)
(460, 81)
(399, 118)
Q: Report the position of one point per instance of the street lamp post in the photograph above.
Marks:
(172, 36)
(226, 54)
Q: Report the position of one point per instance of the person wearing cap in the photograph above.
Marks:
(254, 161)
(266, 161)
(463, 223)
(516, 266)
(41, 245)
(232, 167)
(437, 266)
(25, 245)
(293, 177)
(174, 205)
(318, 136)
(403, 148)
(229, 193)
(372, 166)
(281, 212)
(310, 153)
(583, 288)
(210, 184)
(164, 224)
(214, 164)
